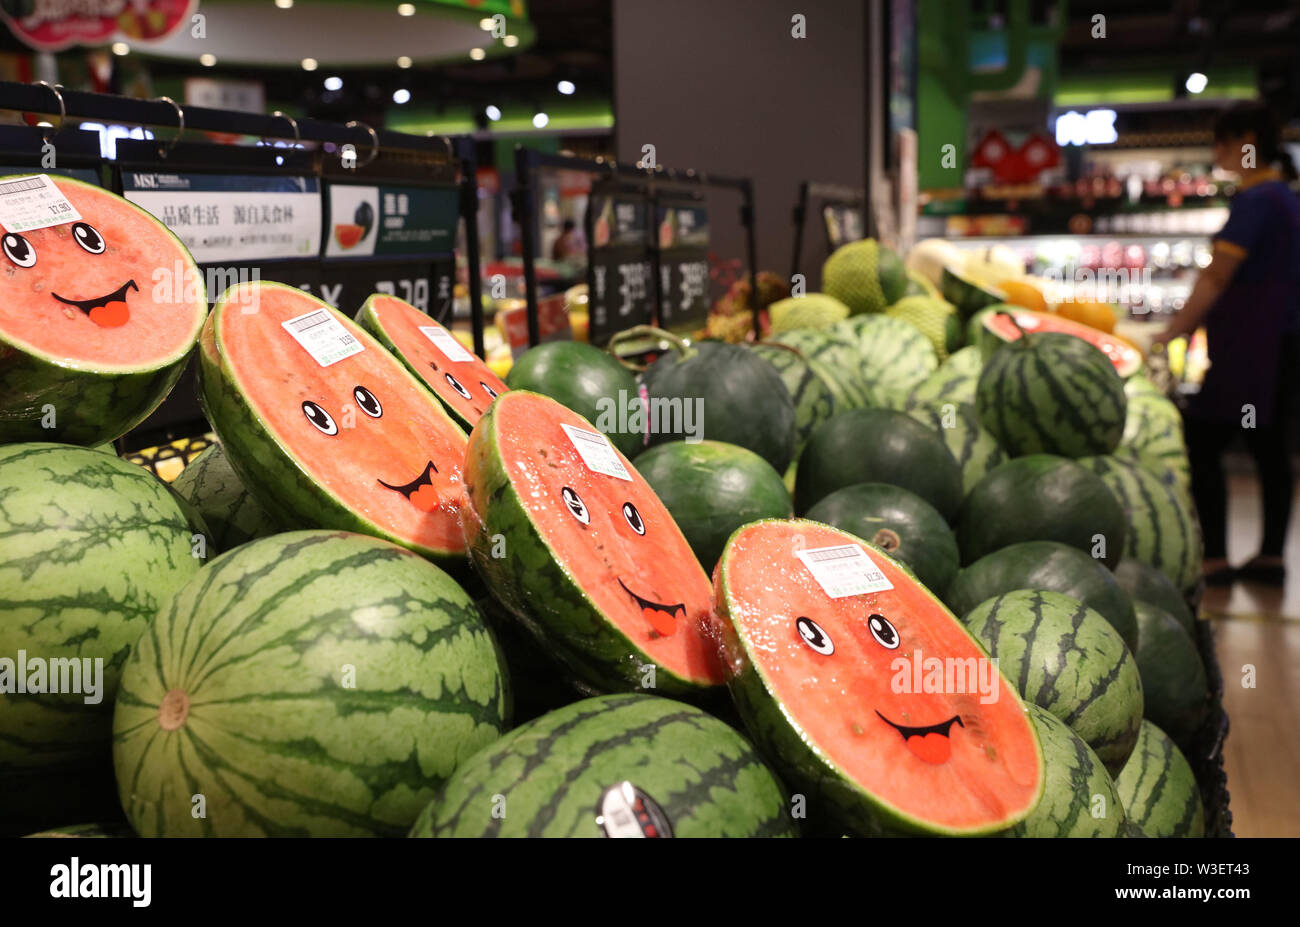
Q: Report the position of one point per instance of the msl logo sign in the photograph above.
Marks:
(53, 25)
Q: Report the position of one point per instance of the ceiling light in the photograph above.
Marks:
(284, 4)
(309, 64)
(565, 87)
(406, 9)
(540, 120)
(401, 95)
(477, 54)
(333, 83)
(404, 61)
(121, 48)
(1196, 82)
(510, 41)
(208, 60)
(486, 23)
(492, 112)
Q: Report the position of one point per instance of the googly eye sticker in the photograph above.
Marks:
(814, 636)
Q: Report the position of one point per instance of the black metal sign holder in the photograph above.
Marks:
(523, 199)
(828, 194)
(162, 113)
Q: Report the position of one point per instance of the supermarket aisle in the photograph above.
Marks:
(1260, 627)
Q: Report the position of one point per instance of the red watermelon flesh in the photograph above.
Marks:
(362, 428)
(612, 537)
(461, 380)
(348, 235)
(1126, 358)
(842, 673)
(90, 297)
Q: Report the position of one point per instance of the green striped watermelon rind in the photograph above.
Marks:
(1075, 779)
(90, 546)
(813, 396)
(655, 743)
(835, 358)
(1052, 394)
(894, 354)
(972, 445)
(267, 468)
(797, 758)
(997, 328)
(91, 406)
(535, 587)
(1150, 783)
(1174, 684)
(209, 483)
(275, 737)
(1111, 729)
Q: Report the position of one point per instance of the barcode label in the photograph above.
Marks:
(30, 203)
(446, 342)
(844, 570)
(597, 453)
(323, 337)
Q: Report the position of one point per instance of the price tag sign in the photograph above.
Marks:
(323, 337)
(30, 203)
(620, 275)
(682, 237)
(844, 570)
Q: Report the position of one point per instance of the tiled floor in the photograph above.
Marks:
(1259, 628)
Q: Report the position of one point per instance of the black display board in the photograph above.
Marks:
(620, 271)
(682, 259)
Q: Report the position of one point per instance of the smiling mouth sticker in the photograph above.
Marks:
(930, 744)
(420, 490)
(662, 617)
(108, 311)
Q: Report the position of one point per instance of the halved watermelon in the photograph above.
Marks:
(1126, 358)
(591, 562)
(865, 691)
(348, 235)
(462, 381)
(356, 443)
(97, 318)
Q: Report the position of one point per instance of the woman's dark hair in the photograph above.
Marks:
(1240, 118)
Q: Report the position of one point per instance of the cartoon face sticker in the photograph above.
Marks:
(107, 310)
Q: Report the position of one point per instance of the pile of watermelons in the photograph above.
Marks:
(750, 590)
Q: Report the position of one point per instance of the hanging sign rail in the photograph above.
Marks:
(833, 196)
(527, 161)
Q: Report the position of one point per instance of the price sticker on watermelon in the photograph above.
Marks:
(597, 453)
(844, 570)
(323, 337)
(29, 203)
(446, 342)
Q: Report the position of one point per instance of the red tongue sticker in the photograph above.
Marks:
(110, 315)
(425, 499)
(932, 748)
(660, 620)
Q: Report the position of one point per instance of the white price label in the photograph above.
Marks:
(323, 337)
(844, 570)
(446, 342)
(28, 203)
(597, 453)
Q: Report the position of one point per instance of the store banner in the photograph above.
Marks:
(620, 273)
(389, 220)
(84, 174)
(53, 25)
(682, 238)
(233, 219)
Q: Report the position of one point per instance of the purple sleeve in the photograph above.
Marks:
(1247, 220)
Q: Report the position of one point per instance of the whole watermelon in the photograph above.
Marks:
(835, 357)
(1048, 565)
(617, 765)
(977, 452)
(878, 446)
(1079, 797)
(864, 275)
(722, 392)
(711, 489)
(587, 380)
(313, 683)
(211, 485)
(1147, 584)
(1158, 788)
(1052, 393)
(900, 523)
(1064, 657)
(1041, 498)
(894, 356)
(952, 381)
(814, 400)
(1173, 677)
(91, 546)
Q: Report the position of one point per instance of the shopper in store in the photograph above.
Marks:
(1248, 299)
(567, 244)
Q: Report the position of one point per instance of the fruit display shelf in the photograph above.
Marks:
(1206, 755)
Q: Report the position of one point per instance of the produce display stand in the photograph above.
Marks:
(829, 195)
(1206, 754)
(649, 183)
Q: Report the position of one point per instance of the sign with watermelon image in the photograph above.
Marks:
(465, 385)
(865, 691)
(90, 343)
(577, 546)
(324, 427)
(1007, 323)
(50, 26)
(390, 221)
